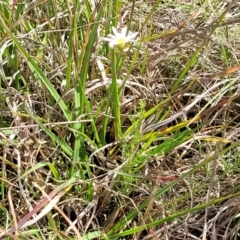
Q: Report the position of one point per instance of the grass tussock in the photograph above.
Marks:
(102, 143)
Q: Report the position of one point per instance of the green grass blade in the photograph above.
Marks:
(37, 72)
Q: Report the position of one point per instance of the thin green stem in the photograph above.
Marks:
(115, 98)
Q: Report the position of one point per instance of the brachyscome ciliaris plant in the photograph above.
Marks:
(121, 39)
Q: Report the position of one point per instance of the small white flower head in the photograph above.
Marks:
(121, 39)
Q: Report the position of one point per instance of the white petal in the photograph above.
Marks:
(133, 35)
(107, 39)
(111, 44)
(124, 31)
(111, 36)
(129, 39)
(115, 31)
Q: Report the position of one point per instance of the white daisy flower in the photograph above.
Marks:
(121, 39)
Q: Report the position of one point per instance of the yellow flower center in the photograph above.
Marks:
(121, 42)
